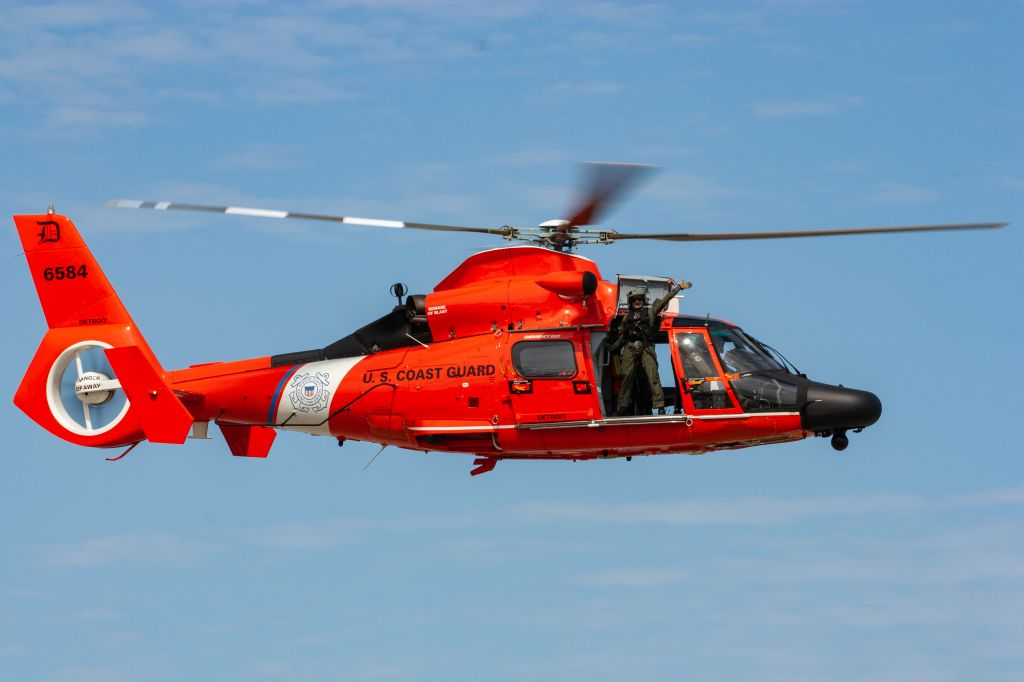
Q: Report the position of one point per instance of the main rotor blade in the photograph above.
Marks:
(725, 236)
(270, 213)
(606, 183)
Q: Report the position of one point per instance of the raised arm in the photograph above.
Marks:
(659, 306)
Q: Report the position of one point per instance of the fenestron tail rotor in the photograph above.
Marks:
(605, 184)
(84, 394)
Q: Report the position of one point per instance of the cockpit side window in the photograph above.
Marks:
(696, 358)
(739, 355)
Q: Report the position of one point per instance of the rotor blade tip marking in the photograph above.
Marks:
(125, 203)
(372, 222)
(255, 212)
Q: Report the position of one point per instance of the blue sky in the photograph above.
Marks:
(900, 559)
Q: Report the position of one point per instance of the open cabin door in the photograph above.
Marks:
(705, 387)
(607, 366)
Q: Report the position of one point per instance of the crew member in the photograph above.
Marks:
(636, 341)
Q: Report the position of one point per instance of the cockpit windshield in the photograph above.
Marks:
(741, 354)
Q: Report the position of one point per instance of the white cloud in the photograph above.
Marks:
(693, 39)
(757, 511)
(879, 564)
(263, 157)
(270, 668)
(749, 511)
(686, 188)
(157, 46)
(159, 548)
(57, 15)
(584, 88)
(958, 26)
(536, 156)
(992, 496)
(1011, 182)
(550, 198)
(73, 118)
(323, 534)
(804, 108)
(106, 60)
(11, 649)
(87, 615)
(29, 593)
(782, 48)
(294, 90)
(630, 14)
(631, 577)
(955, 555)
(899, 193)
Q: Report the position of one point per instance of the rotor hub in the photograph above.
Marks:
(94, 388)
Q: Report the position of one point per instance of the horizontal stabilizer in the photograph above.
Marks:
(246, 440)
(164, 418)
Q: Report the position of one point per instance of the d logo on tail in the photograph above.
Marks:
(49, 231)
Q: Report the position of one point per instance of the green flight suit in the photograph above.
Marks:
(636, 343)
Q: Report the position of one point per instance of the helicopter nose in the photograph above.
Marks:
(836, 407)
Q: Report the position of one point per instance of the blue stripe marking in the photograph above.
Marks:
(277, 393)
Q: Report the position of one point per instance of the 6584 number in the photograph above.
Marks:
(65, 272)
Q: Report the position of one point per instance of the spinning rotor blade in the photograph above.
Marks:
(612, 236)
(606, 183)
(270, 213)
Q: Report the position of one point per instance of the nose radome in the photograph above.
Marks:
(836, 407)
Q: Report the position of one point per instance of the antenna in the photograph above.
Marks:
(399, 290)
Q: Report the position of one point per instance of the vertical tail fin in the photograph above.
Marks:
(71, 388)
(72, 288)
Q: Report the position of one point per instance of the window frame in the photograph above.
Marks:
(517, 349)
(691, 387)
(759, 354)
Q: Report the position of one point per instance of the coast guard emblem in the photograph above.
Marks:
(309, 392)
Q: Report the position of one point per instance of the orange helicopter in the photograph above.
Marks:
(509, 357)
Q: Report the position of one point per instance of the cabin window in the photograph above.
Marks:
(544, 359)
